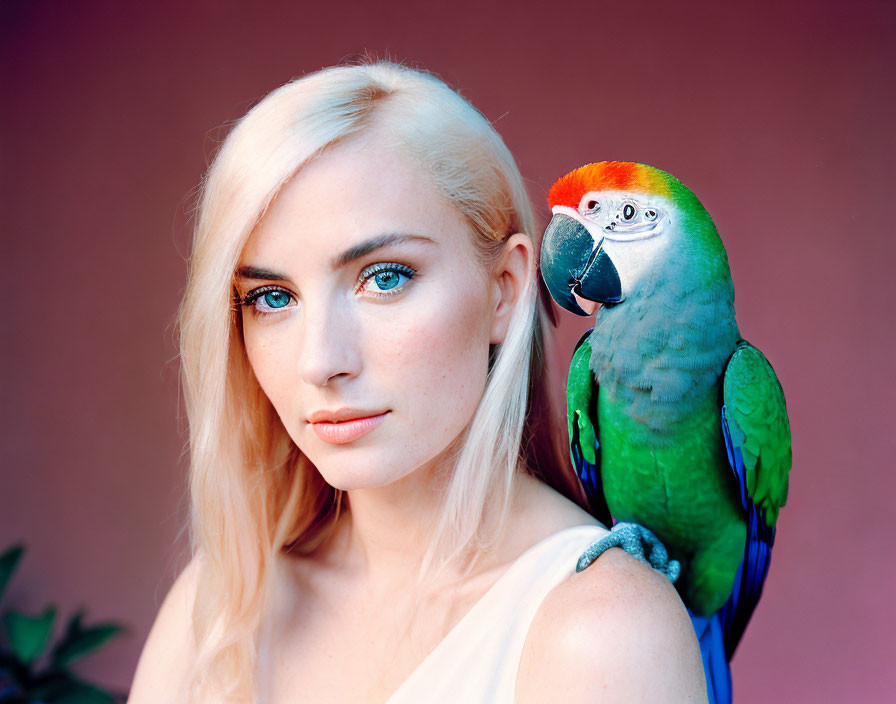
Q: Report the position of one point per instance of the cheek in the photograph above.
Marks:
(266, 358)
(436, 353)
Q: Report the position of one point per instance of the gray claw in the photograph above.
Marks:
(633, 539)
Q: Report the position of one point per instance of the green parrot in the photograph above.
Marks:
(676, 423)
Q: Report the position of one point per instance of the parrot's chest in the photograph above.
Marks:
(670, 476)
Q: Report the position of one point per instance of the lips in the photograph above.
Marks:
(345, 425)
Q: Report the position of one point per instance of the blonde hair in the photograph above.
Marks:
(253, 492)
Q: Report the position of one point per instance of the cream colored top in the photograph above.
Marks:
(477, 661)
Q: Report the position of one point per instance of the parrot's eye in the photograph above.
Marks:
(650, 214)
(593, 206)
(628, 212)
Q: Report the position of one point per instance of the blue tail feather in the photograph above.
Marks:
(711, 638)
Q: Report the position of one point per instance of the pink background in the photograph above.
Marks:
(778, 115)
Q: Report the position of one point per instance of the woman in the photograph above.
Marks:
(380, 509)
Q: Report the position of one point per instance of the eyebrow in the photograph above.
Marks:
(373, 244)
(251, 272)
(340, 260)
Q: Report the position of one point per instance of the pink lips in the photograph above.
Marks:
(339, 428)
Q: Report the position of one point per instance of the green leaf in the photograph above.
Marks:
(83, 693)
(81, 641)
(29, 635)
(8, 562)
(74, 623)
(71, 631)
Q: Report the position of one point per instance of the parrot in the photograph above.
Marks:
(678, 426)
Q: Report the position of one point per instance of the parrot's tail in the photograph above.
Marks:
(715, 661)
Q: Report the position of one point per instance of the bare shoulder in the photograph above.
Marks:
(615, 632)
(163, 668)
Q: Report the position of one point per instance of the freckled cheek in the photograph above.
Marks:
(267, 357)
(435, 357)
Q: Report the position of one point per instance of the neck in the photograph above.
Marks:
(385, 531)
(381, 538)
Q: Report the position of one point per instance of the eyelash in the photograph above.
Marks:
(370, 271)
(250, 299)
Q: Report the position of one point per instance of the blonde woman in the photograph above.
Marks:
(381, 508)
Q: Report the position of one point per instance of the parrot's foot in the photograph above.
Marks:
(638, 542)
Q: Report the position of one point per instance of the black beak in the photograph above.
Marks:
(572, 263)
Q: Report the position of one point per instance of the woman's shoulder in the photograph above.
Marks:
(163, 667)
(618, 628)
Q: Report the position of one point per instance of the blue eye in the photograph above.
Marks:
(275, 299)
(385, 278)
(267, 299)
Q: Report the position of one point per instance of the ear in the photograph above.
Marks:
(509, 278)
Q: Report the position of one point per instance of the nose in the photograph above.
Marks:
(329, 349)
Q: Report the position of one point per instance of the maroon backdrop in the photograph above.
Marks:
(779, 115)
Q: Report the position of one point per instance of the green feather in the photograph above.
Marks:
(579, 402)
(757, 419)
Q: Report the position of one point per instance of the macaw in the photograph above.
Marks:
(677, 425)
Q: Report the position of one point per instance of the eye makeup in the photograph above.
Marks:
(385, 279)
(266, 300)
(380, 280)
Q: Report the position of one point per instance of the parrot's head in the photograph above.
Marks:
(616, 223)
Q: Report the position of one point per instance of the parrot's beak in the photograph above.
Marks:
(573, 266)
(600, 282)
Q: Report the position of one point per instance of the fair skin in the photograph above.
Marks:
(399, 337)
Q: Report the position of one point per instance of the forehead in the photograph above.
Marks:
(360, 188)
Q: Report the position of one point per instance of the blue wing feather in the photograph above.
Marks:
(719, 634)
(736, 612)
(588, 473)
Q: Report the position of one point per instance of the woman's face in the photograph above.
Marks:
(366, 316)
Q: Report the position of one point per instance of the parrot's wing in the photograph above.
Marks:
(581, 414)
(757, 437)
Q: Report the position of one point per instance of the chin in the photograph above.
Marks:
(357, 479)
(351, 469)
(375, 460)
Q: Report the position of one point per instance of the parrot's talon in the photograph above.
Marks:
(637, 541)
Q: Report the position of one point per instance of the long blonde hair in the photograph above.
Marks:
(253, 492)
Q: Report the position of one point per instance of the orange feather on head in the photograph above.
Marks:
(608, 176)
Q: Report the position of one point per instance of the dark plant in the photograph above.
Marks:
(33, 672)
